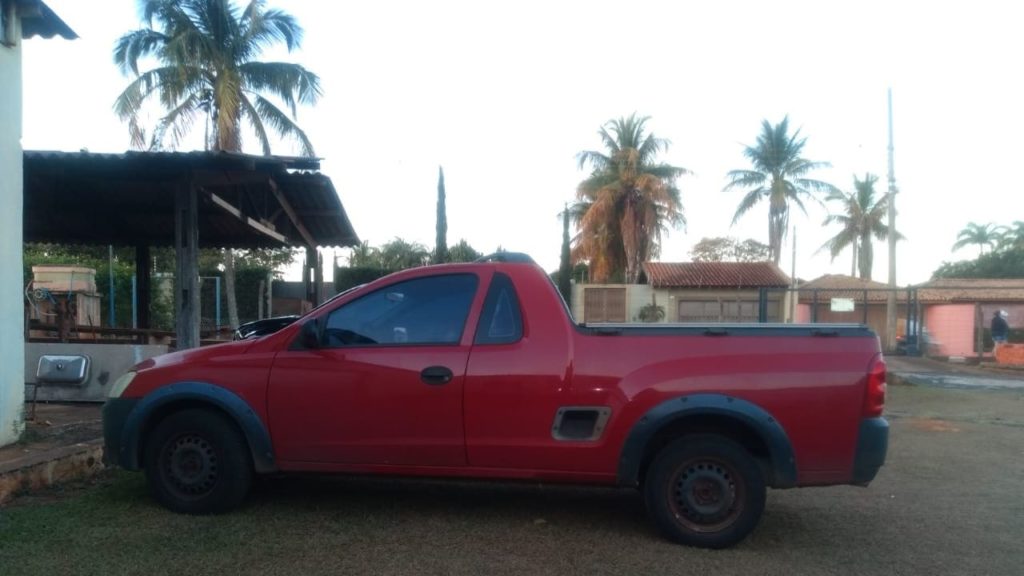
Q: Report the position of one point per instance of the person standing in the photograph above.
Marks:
(1000, 328)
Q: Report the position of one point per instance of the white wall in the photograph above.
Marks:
(640, 295)
(637, 296)
(12, 341)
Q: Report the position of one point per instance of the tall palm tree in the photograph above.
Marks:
(1010, 237)
(627, 202)
(778, 175)
(207, 50)
(863, 219)
(981, 235)
(207, 69)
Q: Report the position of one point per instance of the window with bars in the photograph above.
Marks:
(720, 310)
(604, 305)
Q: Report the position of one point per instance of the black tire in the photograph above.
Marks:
(198, 462)
(705, 491)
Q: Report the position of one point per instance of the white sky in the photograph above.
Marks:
(505, 95)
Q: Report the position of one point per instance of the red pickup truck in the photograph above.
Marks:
(478, 371)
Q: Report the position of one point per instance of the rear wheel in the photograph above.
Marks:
(197, 462)
(705, 491)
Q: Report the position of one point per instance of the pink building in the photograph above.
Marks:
(957, 312)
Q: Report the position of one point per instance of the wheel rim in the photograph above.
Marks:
(189, 466)
(706, 495)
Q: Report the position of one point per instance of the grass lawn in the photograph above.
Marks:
(947, 502)
(308, 526)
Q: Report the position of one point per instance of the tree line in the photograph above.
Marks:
(1000, 252)
(631, 198)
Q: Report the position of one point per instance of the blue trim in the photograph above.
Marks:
(783, 462)
(243, 415)
(872, 445)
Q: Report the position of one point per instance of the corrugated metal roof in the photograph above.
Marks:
(128, 199)
(37, 19)
(715, 275)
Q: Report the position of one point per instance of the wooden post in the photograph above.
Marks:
(142, 285)
(318, 275)
(307, 275)
(186, 247)
(259, 301)
(979, 331)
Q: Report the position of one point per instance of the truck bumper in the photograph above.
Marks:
(115, 414)
(872, 445)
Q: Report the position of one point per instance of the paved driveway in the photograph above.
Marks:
(926, 372)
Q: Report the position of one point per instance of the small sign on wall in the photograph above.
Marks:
(842, 305)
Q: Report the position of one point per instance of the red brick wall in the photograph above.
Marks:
(1010, 354)
(951, 328)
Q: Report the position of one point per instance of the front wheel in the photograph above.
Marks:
(705, 491)
(197, 462)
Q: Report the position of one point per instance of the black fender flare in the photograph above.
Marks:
(783, 461)
(237, 409)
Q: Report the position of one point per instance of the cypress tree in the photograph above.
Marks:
(441, 244)
(565, 266)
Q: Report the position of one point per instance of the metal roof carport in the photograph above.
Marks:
(187, 200)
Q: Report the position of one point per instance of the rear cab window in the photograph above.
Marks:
(501, 320)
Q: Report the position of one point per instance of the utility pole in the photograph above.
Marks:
(795, 292)
(890, 307)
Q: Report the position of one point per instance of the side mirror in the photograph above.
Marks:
(310, 335)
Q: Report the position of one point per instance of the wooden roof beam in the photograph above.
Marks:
(254, 224)
(296, 221)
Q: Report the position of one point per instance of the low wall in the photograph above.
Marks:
(1012, 354)
(107, 363)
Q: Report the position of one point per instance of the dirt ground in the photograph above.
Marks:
(949, 501)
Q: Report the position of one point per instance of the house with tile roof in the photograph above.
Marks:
(702, 292)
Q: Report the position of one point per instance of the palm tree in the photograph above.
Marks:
(1010, 237)
(626, 203)
(463, 252)
(779, 176)
(364, 256)
(981, 235)
(862, 218)
(207, 50)
(400, 254)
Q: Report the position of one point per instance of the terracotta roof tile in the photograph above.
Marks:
(715, 275)
(972, 290)
(843, 286)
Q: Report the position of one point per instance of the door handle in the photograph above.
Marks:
(436, 375)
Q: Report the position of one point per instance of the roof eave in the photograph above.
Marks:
(38, 19)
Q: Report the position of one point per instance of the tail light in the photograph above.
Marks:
(874, 396)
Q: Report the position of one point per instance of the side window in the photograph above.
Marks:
(501, 321)
(429, 310)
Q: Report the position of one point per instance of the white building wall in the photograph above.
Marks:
(637, 296)
(12, 341)
(640, 295)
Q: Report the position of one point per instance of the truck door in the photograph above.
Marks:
(385, 384)
(518, 378)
